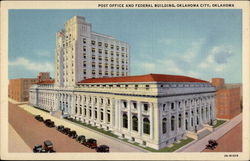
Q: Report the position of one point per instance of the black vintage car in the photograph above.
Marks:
(48, 146)
(60, 128)
(38, 148)
(102, 148)
(91, 143)
(211, 144)
(81, 139)
(66, 131)
(72, 134)
(39, 118)
(49, 123)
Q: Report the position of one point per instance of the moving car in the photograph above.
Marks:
(102, 148)
(211, 144)
(38, 148)
(81, 139)
(48, 146)
(39, 118)
(91, 143)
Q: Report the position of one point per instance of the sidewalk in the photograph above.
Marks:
(115, 146)
(16, 143)
(15, 102)
(200, 145)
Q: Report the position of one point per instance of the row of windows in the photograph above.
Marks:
(147, 86)
(106, 45)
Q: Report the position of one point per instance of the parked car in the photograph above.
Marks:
(66, 131)
(49, 123)
(48, 146)
(60, 128)
(72, 134)
(211, 144)
(39, 118)
(38, 148)
(81, 139)
(102, 148)
(91, 143)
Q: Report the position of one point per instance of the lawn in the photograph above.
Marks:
(219, 122)
(109, 133)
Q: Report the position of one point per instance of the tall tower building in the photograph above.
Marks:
(83, 54)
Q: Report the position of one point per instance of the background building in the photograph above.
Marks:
(228, 98)
(82, 54)
(19, 88)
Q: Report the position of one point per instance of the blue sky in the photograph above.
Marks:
(198, 43)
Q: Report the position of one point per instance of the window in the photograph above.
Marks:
(146, 126)
(145, 107)
(134, 105)
(172, 123)
(125, 104)
(106, 45)
(135, 123)
(172, 105)
(136, 86)
(101, 116)
(84, 40)
(179, 120)
(99, 43)
(164, 126)
(147, 87)
(108, 117)
(125, 120)
(112, 46)
(95, 114)
(93, 42)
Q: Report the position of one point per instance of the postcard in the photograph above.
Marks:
(125, 80)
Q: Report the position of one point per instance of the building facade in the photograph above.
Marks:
(154, 110)
(151, 109)
(83, 54)
(19, 88)
(227, 99)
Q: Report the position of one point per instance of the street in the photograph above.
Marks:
(34, 132)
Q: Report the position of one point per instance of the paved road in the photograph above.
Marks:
(230, 142)
(115, 145)
(35, 132)
(16, 143)
(200, 145)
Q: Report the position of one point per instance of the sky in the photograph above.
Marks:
(199, 43)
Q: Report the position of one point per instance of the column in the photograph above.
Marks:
(72, 105)
(98, 109)
(119, 114)
(139, 118)
(176, 118)
(105, 113)
(129, 115)
(151, 119)
(112, 112)
(92, 107)
(87, 107)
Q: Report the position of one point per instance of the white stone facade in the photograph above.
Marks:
(169, 109)
(83, 54)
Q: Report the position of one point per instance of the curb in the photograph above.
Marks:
(136, 147)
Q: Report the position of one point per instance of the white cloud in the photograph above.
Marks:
(43, 53)
(217, 59)
(32, 66)
(192, 52)
(148, 66)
